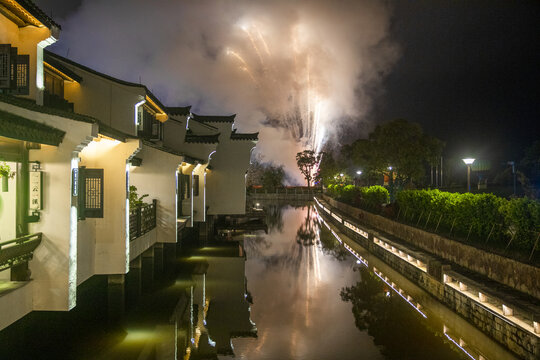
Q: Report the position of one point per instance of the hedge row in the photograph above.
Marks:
(364, 197)
(480, 216)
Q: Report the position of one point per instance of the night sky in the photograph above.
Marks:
(467, 71)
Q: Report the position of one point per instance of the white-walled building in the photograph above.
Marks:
(77, 141)
(41, 146)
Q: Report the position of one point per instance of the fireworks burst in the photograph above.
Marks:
(298, 102)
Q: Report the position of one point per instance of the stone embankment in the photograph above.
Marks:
(449, 271)
(522, 277)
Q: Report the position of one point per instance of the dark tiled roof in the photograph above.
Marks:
(178, 110)
(17, 127)
(205, 139)
(58, 66)
(214, 118)
(36, 12)
(244, 136)
(31, 105)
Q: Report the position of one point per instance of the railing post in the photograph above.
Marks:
(155, 211)
(139, 220)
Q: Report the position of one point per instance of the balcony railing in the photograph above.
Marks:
(18, 251)
(289, 190)
(142, 219)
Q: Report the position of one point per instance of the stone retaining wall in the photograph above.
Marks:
(519, 341)
(520, 276)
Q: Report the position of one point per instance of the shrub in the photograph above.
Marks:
(375, 196)
(522, 217)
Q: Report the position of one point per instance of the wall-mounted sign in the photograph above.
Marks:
(36, 178)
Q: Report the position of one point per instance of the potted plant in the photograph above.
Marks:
(5, 173)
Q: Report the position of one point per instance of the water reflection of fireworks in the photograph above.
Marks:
(300, 108)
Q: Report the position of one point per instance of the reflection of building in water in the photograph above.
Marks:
(216, 308)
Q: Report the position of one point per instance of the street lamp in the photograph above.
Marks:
(468, 162)
(357, 179)
(391, 184)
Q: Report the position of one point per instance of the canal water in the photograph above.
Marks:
(294, 293)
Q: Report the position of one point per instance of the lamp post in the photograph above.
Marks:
(358, 173)
(391, 184)
(513, 164)
(468, 162)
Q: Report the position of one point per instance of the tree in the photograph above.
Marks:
(399, 144)
(265, 174)
(328, 168)
(306, 161)
(273, 177)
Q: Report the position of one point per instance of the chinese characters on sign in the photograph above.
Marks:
(35, 190)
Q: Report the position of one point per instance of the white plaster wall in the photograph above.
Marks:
(108, 101)
(26, 40)
(141, 244)
(226, 181)
(15, 304)
(108, 234)
(54, 267)
(8, 205)
(174, 135)
(157, 178)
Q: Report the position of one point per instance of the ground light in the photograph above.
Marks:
(468, 162)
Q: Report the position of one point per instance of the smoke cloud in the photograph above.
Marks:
(300, 72)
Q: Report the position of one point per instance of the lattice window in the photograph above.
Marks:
(23, 69)
(91, 187)
(5, 66)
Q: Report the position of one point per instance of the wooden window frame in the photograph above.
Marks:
(91, 193)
